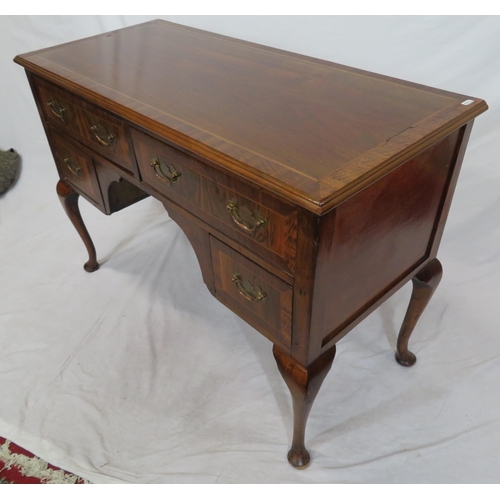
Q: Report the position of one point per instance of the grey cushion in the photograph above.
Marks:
(9, 169)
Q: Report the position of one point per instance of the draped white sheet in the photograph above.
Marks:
(136, 374)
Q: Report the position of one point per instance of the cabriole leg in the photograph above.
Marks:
(69, 200)
(304, 384)
(424, 286)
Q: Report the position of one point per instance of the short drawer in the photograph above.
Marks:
(167, 170)
(76, 167)
(257, 296)
(89, 124)
(218, 200)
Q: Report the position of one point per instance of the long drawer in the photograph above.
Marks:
(269, 229)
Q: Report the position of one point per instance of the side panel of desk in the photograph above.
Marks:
(374, 242)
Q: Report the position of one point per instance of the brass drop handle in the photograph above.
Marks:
(251, 292)
(73, 166)
(245, 219)
(103, 137)
(57, 108)
(164, 172)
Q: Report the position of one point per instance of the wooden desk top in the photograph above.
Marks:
(311, 131)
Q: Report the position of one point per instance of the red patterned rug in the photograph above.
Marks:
(18, 466)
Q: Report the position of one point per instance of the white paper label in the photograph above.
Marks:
(467, 102)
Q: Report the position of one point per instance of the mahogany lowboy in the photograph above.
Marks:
(310, 191)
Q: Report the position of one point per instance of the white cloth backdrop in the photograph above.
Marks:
(136, 374)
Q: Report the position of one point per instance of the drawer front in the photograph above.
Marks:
(58, 108)
(89, 124)
(249, 218)
(257, 296)
(75, 167)
(167, 170)
(193, 185)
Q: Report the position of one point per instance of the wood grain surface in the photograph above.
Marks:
(310, 130)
